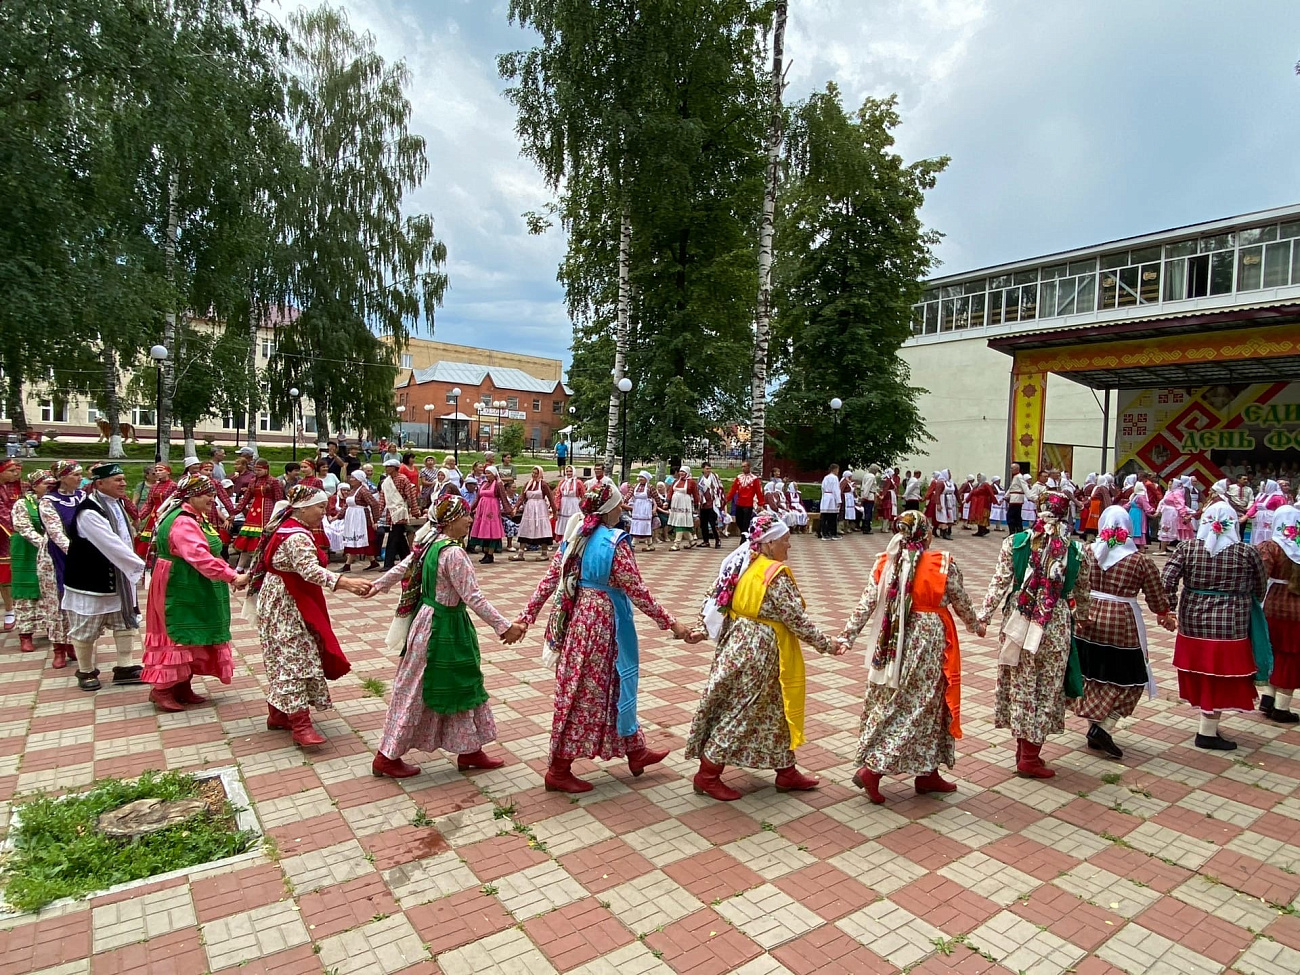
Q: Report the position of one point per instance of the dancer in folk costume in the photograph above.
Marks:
(148, 514)
(535, 526)
(300, 652)
(1261, 511)
(1099, 499)
(946, 506)
(911, 718)
(1140, 511)
(11, 490)
(1176, 518)
(1223, 581)
(35, 590)
(1125, 491)
(1112, 640)
(933, 492)
(682, 499)
(1037, 574)
(591, 641)
(569, 491)
(187, 622)
(488, 529)
(751, 712)
(256, 505)
(963, 500)
(981, 500)
(887, 507)
(1281, 555)
(360, 515)
(57, 508)
(794, 502)
(309, 479)
(642, 522)
(849, 498)
(712, 516)
(663, 508)
(439, 700)
(746, 493)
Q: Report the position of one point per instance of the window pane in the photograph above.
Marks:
(1277, 264)
(1109, 288)
(1175, 280)
(948, 315)
(995, 307)
(1295, 264)
(952, 291)
(1083, 267)
(931, 317)
(1118, 259)
(1291, 229)
(918, 319)
(1027, 277)
(1250, 268)
(1144, 254)
(1183, 248)
(1047, 295)
(977, 310)
(975, 287)
(1218, 242)
(1002, 281)
(1149, 293)
(1028, 302)
(1087, 298)
(1221, 273)
(1065, 296)
(1055, 271)
(1011, 305)
(1128, 286)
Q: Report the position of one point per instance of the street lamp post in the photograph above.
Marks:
(159, 355)
(293, 419)
(624, 387)
(836, 405)
(401, 408)
(500, 405)
(454, 396)
(573, 414)
(428, 423)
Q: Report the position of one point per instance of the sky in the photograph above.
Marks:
(1068, 123)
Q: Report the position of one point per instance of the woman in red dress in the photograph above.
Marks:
(256, 504)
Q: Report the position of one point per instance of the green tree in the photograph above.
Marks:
(851, 256)
(510, 440)
(361, 269)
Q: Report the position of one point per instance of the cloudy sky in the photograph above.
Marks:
(1068, 123)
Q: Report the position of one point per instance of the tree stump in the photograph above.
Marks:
(146, 816)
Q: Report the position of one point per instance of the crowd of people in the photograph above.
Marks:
(1066, 588)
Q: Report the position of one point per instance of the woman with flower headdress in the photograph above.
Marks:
(1261, 511)
(1037, 574)
(299, 649)
(35, 590)
(1112, 640)
(439, 700)
(591, 641)
(912, 715)
(187, 618)
(1223, 579)
(751, 712)
(1281, 556)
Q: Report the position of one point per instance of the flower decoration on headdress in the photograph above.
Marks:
(915, 529)
(303, 496)
(1055, 504)
(448, 509)
(1290, 532)
(36, 477)
(1113, 536)
(1219, 526)
(193, 485)
(65, 468)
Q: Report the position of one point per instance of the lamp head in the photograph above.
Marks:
(294, 392)
(158, 353)
(625, 385)
(836, 403)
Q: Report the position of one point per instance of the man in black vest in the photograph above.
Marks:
(100, 579)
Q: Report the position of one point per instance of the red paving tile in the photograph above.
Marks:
(606, 864)
(351, 793)
(341, 907)
(1197, 824)
(1030, 857)
(177, 953)
(275, 785)
(492, 859)
(948, 906)
(577, 933)
(296, 961)
(454, 796)
(826, 891)
(315, 833)
(44, 944)
(459, 919)
(627, 813)
(923, 846)
(820, 835)
(713, 874)
(1140, 868)
(394, 847)
(1253, 877)
(962, 961)
(829, 951)
(1068, 917)
(1285, 929)
(1195, 929)
(703, 944)
(241, 890)
(1096, 818)
(1002, 810)
(721, 823)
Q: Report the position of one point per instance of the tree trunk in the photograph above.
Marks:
(191, 448)
(164, 417)
(112, 405)
(763, 315)
(14, 391)
(620, 336)
(254, 319)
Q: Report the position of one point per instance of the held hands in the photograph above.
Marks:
(514, 634)
(357, 587)
(241, 580)
(681, 631)
(1169, 621)
(841, 646)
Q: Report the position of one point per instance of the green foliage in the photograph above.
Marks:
(59, 852)
(851, 255)
(511, 440)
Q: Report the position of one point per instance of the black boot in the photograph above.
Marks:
(1215, 743)
(88, 681)
(1266, 705)
(1099, 740)
(127, 675)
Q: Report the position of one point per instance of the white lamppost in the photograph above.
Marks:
(159, 355)
(837, 404)
(624, 387)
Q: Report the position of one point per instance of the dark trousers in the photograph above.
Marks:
(913, 505)
(743, 517)
(1015, 522)
(868, 515)
(827, 524)
(399, 546)
(709, 525)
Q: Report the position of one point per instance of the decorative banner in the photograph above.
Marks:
(1028, 412)
(1058, 457)
(1267, 342)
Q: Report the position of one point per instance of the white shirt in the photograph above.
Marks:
(114, 542)
(870, 487)
(218, 471)
(830, 493)
(912, 492)
(1017, 489)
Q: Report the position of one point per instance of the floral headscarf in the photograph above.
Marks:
(1286, 531)
(1218, 529)
(36, 477)
(912, 536)
(764, 527)
(1049, 547)
(1114, 537)
(65, 468)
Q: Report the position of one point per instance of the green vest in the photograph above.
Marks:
(453, 675)
(197, 608)
(23, 556)
(1020, 567)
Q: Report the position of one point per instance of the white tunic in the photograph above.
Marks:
(830, 503)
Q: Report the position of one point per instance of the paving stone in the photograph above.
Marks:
(892, 932)
(650, 901)
(1107, 891)
(570, 831)
(768, 915)
(990, 878)
(125, 922)
(505, 953)
(1023, 947)
(240, 938)
(1139, 952)
(879, 868)
(1266, 957)
(769, 854)
(379, 948)
(667, 842)
(333, 865)
(537, 890)
(424, 880)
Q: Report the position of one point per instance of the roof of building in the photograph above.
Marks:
(473, 375)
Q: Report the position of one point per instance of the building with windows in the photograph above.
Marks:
(421, 354)
(490, 397)
(1174, 351)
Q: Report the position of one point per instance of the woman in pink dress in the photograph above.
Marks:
(488, 529)
(569, 493)
(436, 640)
(535, 527)
(188, 550)
(1176, 519)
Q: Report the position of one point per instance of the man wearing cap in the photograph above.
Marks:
(401, 505)
(11, 489)
(99, 579)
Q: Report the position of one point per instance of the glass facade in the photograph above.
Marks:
(1211, 264)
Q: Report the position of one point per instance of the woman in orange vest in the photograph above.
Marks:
(912, 715)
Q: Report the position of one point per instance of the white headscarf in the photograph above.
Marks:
(1130, 481)
(1220, 487)
(1113, 523)
(1269, 489)
(1287, 516)
(738, 561)
(1223, 515)
(1090, 479)
(359, 476)
(1106, 480)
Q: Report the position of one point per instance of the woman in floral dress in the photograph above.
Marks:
(591, 641)
(1281, 555)
(1175, 517)
(256, 505)
(1038, 571)
(569, 492)
(1112, 640)
(1215, 658)
(35, 590)
(439, 700)
(299, 648)
(912, 715)
(535, 527)
(752, 709)
(488, 529)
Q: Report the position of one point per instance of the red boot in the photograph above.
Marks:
(164, 699)
(790, 779)
(708, 782)
(869, 781)
(1030, 765)
(186, 694)
(63, 652)
(932, 781)
(560, 778)
(394, 768)
(305, 734)
(478, 759)
(276, 720)
(638, 762)
(25, 643)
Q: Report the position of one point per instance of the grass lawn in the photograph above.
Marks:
(60, 852)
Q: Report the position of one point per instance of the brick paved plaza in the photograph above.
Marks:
(1171, 861)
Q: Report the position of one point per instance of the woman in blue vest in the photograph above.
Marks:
(1038, 571)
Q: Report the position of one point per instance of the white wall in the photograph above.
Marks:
(965, 409)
